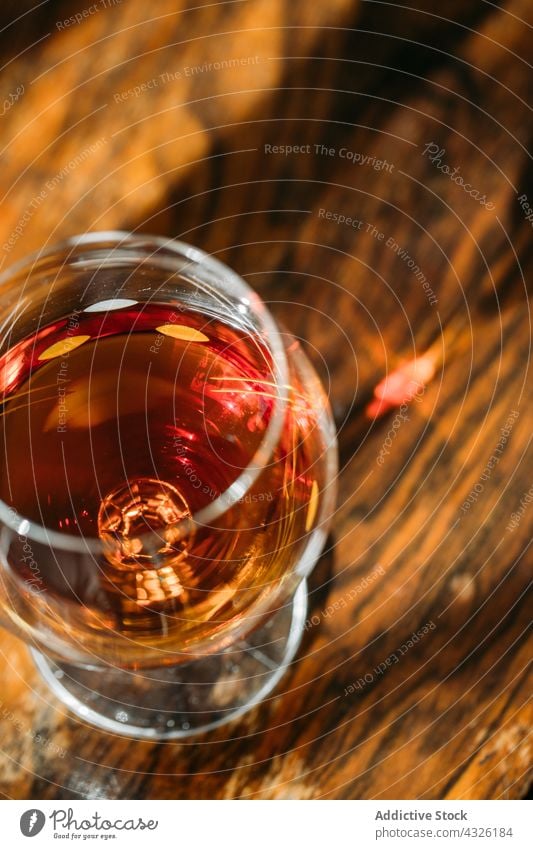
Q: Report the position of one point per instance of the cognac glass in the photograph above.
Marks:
(167, 477)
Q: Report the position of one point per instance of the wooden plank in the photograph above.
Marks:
(414, 544)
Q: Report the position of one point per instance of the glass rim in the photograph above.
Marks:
(117, 239)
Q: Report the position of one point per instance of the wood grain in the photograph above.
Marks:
(187, 158)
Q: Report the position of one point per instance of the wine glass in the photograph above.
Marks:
(168, 465)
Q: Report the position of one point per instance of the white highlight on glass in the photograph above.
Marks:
(111, 304)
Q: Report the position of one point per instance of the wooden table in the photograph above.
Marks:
(170, 125)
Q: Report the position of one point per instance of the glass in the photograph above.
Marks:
(168, 467)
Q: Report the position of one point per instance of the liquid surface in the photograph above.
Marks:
(118, 423)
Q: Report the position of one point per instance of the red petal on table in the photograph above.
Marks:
(377, 407)
(401, 385)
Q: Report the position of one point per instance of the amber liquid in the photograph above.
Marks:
(120, 425)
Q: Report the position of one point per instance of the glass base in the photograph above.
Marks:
(179, 701)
